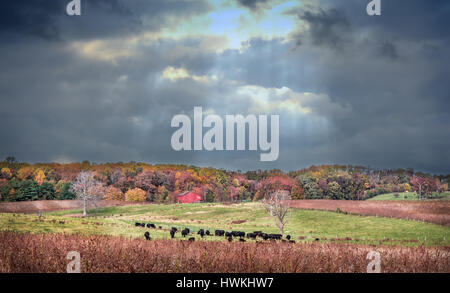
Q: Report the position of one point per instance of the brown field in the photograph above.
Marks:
(30, 207)
(46, 253)
(433, 211)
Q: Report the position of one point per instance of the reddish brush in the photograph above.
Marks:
(437, 212)
(46, 253)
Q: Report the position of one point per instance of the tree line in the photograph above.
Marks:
(133, 181)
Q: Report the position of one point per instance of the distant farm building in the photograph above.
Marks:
(188, 197)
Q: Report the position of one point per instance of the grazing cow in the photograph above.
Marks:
(137, 224)
(185, 232)
(257, 233)
(276, 236)
(238, 234)
(188, 230)
(192, 239)
(149, 225)
(228, 234)
(265, 236)
(251, 235)
(288, 237)
(153, 226)
(241, 239)
(147, 235)
(230, 238)
(219, 232)
(317, 239)
(201, 232)
(207, 232)
(172, 232)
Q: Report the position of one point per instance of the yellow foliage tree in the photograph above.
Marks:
(135, 194)
(407, 187)
(6, 173)
(40, 177)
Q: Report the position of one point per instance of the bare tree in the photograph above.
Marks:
(87, 189)
(278, 206)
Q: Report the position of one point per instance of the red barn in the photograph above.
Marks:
(188, 197)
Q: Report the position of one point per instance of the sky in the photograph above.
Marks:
(349, 88)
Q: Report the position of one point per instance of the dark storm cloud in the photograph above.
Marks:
(100, 18)
(379, 85)
(326, 27)
(386, 72)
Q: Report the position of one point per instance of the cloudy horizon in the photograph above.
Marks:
(349, 88)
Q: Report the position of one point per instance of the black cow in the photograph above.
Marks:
(288, 237)
(172, 232)
(174, 229)
(201, 232)
(185, 232)
(241, 239)
(207, 232)
(137, 224)
(228, 234)
(147, 235)
(219, 232)
(230, 238)
(276, 236)
(251, 235)
(192, 239)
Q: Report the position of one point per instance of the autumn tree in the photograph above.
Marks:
(135, 194)
(40, 177)
(277, 204)
(87, 189)
(114, 193)
(6, 173)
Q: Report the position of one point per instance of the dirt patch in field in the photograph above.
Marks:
(30, 207)
(238, 221)
(437, 212)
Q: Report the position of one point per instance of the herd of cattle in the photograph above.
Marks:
(221, 233)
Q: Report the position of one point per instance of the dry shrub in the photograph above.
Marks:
(437, 212)
(46, 253)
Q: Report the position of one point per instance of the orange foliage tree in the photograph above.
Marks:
(114, 193)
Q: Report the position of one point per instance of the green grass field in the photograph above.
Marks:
(408, 196)
(248, 217)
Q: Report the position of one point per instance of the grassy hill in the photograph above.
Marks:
(248, 217)
(406, 196)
